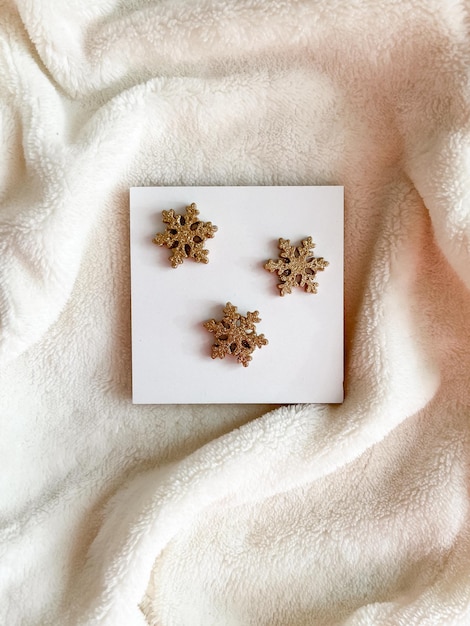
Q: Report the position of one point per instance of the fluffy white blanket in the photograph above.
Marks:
(117, 514)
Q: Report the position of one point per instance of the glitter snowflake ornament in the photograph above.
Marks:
(235, 335)
(296, 266)
(185, 235)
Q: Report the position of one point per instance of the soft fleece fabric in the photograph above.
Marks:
(351, 515)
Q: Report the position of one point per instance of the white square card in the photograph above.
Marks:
(171, 349)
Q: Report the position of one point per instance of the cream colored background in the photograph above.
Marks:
(119, 514)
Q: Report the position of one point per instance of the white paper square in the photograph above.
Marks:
(303, 361)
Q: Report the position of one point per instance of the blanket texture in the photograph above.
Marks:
(114, 514)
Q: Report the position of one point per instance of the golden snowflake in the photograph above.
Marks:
(185, 235)
(235, 335)
(296, 267)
